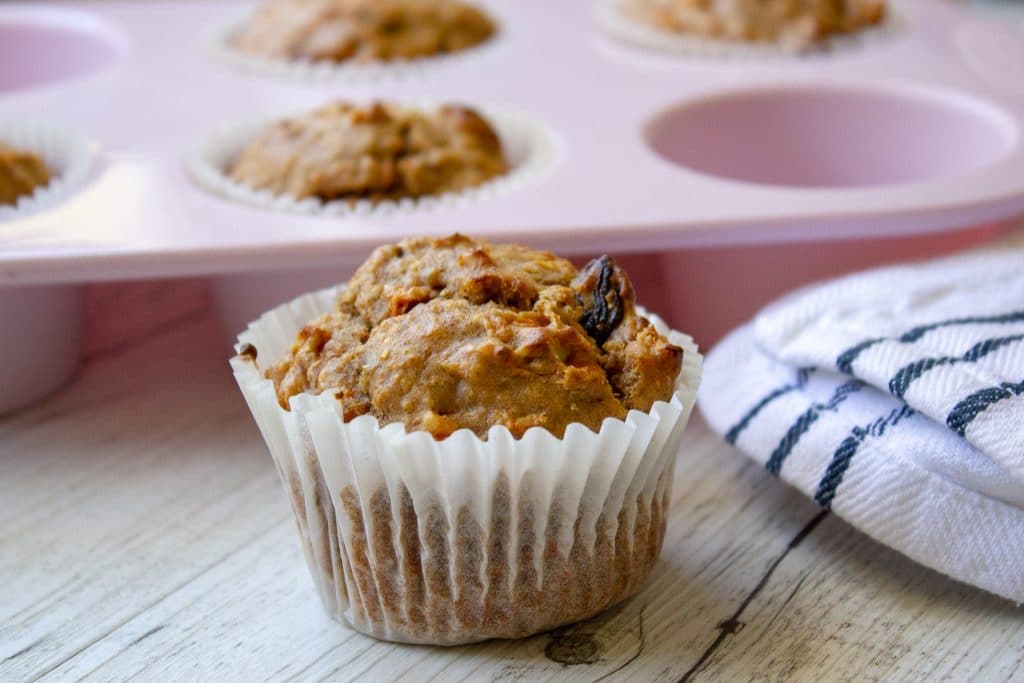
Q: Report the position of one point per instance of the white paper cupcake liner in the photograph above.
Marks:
(530, 150)
(218, 43)
(608, 15)
(416, 540)
(68, 157)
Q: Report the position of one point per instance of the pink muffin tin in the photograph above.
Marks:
(915, 132)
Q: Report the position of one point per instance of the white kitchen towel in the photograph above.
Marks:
(895, 398)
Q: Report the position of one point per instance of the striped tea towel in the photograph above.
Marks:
(894, 397)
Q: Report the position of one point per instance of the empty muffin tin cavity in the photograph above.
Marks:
(833, 137)
(40, 45)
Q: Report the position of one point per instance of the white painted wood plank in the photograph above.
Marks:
(135, 503)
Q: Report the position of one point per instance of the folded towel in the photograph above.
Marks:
(895, 398)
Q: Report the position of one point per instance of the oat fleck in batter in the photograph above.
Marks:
(20, 174)
(376, 151)
(442, 334)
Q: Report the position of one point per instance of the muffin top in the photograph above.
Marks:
(443, 334)
(361, 30)
(791, 23)
(376, 151)
(20, 174)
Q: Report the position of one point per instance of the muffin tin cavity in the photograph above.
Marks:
(40, 45)
(833, 137)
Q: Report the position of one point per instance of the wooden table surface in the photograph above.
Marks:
(143, 532)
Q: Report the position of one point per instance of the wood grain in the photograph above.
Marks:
(144, 533)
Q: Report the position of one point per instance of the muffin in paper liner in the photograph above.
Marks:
(67, 156)
(609, 17)
(218, 43)
(416, 540)
(530, 150)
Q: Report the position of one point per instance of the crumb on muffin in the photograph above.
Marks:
(362, 30)
(376, 151)
(443, 334)
(21, 173)
(795, 24)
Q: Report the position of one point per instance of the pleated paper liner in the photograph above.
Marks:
(417, 540)
(68, 156)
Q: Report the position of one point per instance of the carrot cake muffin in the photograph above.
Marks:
(20, 174)
(361, 30)
(444, 334)
(377, 151)
(797, 24)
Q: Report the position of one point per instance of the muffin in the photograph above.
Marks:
(792, 24)
(21, 173)
(454, 333)
(361, 30)
(376, 151)
(478, 440)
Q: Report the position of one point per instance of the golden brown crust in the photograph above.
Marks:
(443, 334)
(397, 277)
(328, 336)
(20, 174)
(449, 364)
(376, 151)
(793, 23)
(362, 30)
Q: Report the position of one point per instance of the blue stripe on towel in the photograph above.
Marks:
(804, 423)
(901, 381)
(841, 459)
(964, 412)
(919, 331)
(801, 379)
(845, 360)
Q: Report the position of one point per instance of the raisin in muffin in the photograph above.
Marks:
(444, 334)
(400, 422)
(361, 30)
(377, 151)
(20, 174)
(795, 24)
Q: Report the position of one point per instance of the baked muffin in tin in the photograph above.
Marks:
(373, 151)
(361, 30)
(21, 172)
(791, 24)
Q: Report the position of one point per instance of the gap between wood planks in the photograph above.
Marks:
(732, 625)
